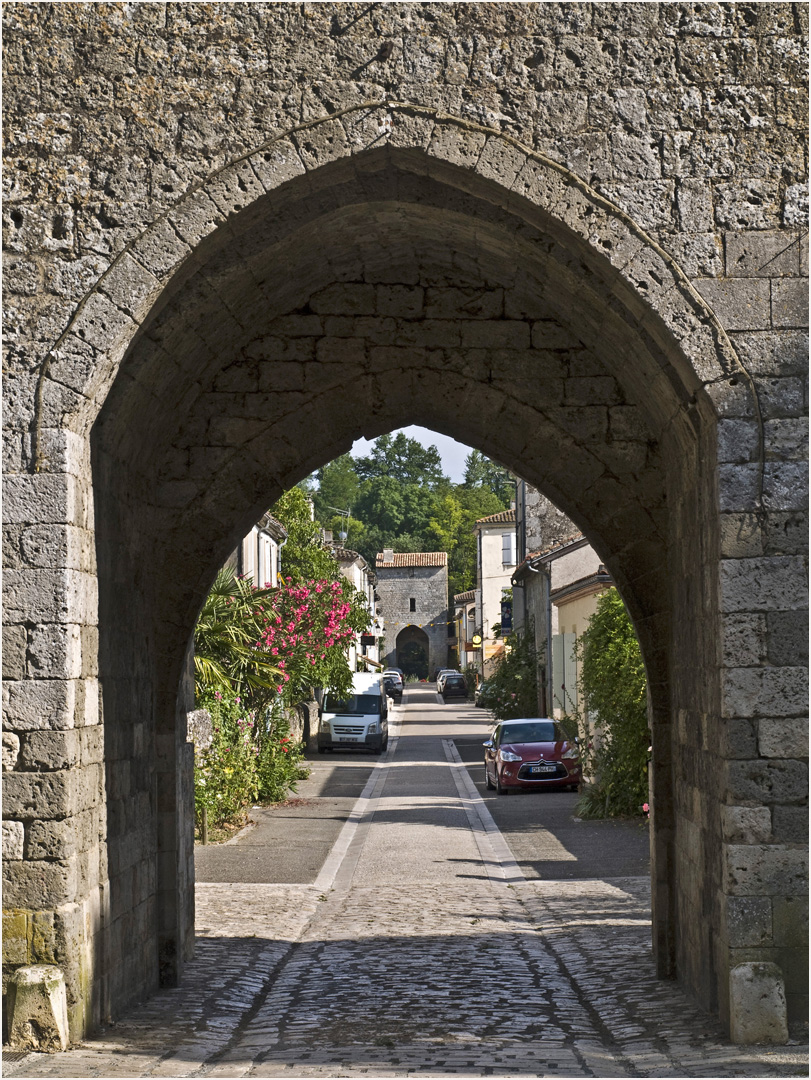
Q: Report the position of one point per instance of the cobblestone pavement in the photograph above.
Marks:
(421, 950)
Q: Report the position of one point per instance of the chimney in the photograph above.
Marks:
(388, 555)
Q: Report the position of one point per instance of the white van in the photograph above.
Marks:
(361, 720)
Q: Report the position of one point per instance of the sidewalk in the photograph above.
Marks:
(420, 950)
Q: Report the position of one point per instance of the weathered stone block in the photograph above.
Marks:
(454, 144)
(740, 303)
(319, 145)
(131, 287)
(744, 640)
(37, 1009)
(52, 839)
(13, 837)
(49, 750)
(785, 485)
(35, 705)
(787, 439)
(67, 596)
(783, 738)
(790, 920)
(55, 651)
(765, 869)
(741, 536)
(766, 781)
(694, 202)
(748, 921)
(51, 883)
(350, 298)
(500, 162)
(790, 824)
(746, 824)
(15, 640)
(45, 498)
(277, 163)
(762, 584)
(790, 303)
(757, 1004)
(403, 301)
(11, 750)
(738, 738)
(762, 254)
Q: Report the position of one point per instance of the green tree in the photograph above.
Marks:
(612, 679)
(404, 459)
(304, 557)
(338, 486)
(481, 472)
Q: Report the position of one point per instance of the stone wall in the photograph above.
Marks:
(239, 236)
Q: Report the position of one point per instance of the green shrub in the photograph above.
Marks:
(226, 774)
(612, 679)
(512, 689)
(279, 760)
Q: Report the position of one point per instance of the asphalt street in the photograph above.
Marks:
(289, 843)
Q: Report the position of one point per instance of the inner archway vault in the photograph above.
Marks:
(392, 286)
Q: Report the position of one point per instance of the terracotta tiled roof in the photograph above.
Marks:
(464, 597)
(413, 558)
(502, 516)
(345, 554)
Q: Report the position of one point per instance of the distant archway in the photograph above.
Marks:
(412, 652)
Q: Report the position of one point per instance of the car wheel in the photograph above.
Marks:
(488, 783)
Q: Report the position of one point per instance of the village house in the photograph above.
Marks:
(495, 563)
(364, 650)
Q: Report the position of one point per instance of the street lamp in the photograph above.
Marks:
(342, 535)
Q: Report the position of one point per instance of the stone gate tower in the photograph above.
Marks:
(413, 589)
(240, 237)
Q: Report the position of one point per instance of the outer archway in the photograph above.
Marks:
(324, 288)
(502, 302)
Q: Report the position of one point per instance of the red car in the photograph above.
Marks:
(533, 753)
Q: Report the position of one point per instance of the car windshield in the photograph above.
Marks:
(530, 731)
(359, 704)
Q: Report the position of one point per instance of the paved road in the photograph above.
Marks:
(419, 946)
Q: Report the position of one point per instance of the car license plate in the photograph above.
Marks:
(347, 738)
(543, 768)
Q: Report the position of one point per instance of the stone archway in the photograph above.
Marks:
(412, 652)
(504, 303)
(326, 287)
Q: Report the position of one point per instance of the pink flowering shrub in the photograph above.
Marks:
(307, 629)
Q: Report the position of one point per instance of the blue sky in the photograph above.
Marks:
(453, 453)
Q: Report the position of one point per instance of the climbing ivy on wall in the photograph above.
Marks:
(612, 679)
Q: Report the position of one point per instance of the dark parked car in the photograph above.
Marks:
(454, 686)
(394, 688)
(531, 753)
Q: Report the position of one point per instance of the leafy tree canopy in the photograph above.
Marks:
(483, 474)
(399, 498)
(403, 459)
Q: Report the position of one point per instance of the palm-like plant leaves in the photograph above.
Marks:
(230, 624)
